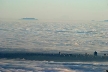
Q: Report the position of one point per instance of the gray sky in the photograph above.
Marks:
(55, 9)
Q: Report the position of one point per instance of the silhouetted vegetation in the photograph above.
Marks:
(53, 57)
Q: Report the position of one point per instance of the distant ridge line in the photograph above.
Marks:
(29, 19)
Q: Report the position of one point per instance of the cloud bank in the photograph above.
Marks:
(45, 66)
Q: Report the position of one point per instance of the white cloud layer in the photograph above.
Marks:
(53, 36)
(45, 66)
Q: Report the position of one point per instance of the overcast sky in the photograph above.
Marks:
(55, 9)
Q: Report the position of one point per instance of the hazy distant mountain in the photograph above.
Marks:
(105, 20)
(29, 19)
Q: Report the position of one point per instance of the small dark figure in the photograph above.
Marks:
(104, 54)
(95, 53)
(106, 70)
(59, 53)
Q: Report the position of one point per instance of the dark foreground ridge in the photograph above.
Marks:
(53, 57)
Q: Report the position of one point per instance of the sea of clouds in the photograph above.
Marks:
(35, 36)
(19, 35)
(45, 66)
